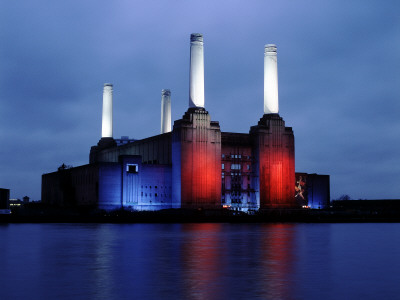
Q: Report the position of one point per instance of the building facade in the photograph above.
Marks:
(192, 166)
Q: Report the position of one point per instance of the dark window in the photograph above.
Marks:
(132, 168)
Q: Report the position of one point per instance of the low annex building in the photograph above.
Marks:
(193, 164)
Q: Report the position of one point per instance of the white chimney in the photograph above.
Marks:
(196, 77)
(106, 129)
(165, 111)
(271, 103)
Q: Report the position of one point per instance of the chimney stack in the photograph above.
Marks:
(165, 111)
(271, 103)
(196, 77)
(106, 129)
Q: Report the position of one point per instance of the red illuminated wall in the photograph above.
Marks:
(273, 145)
(199, 142)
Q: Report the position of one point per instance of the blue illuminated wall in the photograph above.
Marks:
(109, 186)
(133, 185)
(312, 190)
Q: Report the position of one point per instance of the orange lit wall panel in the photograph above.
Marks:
(273, 145)
(197, 161)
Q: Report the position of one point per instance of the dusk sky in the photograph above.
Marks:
(338, 66)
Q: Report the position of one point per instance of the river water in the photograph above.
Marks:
(200, 261)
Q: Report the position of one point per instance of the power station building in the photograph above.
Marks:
(193, 164)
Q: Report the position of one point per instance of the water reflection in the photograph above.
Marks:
(277, 261)
(199, 261)
(203, 258)
(227, 260)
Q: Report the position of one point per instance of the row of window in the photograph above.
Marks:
(235, 176)
(161, 187)
(236, 167)
(235, 156)
(156, 195)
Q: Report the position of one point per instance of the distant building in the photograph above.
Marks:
(312, 190)
(194, 165)
(16, 203)
(4, 201)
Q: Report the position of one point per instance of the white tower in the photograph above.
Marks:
(196, 77)
(271, 103)
(165, 111)
(106, 128)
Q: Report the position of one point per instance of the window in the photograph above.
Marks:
(132, 168)
(240, 156)
(248, 167)
(223, 166)
(235, 166)
(223, 155)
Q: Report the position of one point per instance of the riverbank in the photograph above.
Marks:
(46, 215)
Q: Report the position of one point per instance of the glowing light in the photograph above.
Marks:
(106, 130)
(196, 79)
(271, 103)
(165, 111)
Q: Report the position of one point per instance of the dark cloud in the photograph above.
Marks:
(338, 80)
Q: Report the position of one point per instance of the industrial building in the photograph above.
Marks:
(193, 164)
(4, 201)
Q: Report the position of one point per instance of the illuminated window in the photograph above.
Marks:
(240, 156)
(248, 167)
(223, 175)
(132, 168)
(223, 155)
(235, 166)
(223, 166)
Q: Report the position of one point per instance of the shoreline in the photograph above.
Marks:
(203, 216)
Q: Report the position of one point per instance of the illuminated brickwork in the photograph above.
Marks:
(196, 161)
(273, 148)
